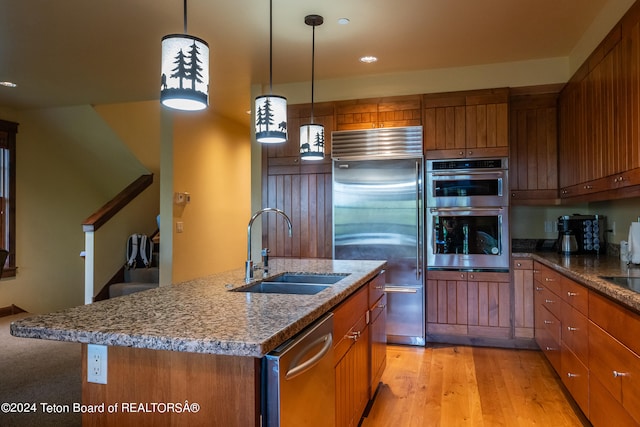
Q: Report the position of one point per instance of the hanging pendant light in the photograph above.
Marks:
(312, 135)
(271, 110)
(184, 71)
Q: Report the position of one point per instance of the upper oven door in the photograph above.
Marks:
(467, 188)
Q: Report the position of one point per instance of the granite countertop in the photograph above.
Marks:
(203, 315)
(586, 269)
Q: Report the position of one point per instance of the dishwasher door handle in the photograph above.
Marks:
(296, 369)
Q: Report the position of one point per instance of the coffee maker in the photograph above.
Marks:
(582, 234)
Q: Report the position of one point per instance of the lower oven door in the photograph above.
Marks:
(464, 237)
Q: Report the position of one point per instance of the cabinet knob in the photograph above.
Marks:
(518, 264)
(617, 374)
(353, 336)
(461, 153)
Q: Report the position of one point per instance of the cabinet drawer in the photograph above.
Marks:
(549, 347)
(376, 288)
(575, 376)
(549, 300)
(623, 324)
(576, 295)
(548, 278)
(523, 264)
(349, 317)
(342, 343)
(575, 332)
(377, 308)
(604, 410)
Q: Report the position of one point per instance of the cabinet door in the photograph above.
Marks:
(378, 335)
(447, 302)
(575, 377)
(356, 114)
(370, 113)
(523, 319)
(489, 305)
(352, 382)
(533, 159)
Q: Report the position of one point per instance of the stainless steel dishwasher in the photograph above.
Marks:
(299, 379)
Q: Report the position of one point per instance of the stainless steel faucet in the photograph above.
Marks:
(249, 264)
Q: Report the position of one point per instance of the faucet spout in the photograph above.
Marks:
(249, 263)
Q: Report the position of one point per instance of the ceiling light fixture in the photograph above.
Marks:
(271, 110)
(8, 84)
(312, 135)
(343, 21)
(368, 59)
(184, 71)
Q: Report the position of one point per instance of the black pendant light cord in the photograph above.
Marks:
(185, 16)
(271, 47)
(313, 67)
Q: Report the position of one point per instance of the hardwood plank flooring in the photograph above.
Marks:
(470, 386)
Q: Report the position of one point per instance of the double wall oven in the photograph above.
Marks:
(467, 214)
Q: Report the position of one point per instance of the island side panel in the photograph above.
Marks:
(226, 388)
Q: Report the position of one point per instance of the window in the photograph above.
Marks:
(8, 131)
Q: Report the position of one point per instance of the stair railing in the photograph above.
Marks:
(98, 219)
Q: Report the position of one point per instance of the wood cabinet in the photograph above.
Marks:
(599, 124)
(592, 344)
(533, 145)
(615, 359)
(466, 124)
(300, 189)
(470, 304)
(377, 331)
(523, 323)
(371, 113)
(359, 349)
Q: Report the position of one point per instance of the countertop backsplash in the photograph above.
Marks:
(536, 245)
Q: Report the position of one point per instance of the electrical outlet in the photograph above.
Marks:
(97, 363)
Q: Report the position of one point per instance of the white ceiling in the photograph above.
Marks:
(72, 52)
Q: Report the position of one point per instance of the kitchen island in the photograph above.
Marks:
(195, 345)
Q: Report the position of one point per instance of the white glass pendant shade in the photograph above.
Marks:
(312, 142)
(271, 119)
(185, 72)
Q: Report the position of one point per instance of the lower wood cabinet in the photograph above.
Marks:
(592, 343)
(471, 304)
(523, 323)
(359, 350)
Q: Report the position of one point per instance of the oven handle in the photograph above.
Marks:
(462, 208)
(499, 174)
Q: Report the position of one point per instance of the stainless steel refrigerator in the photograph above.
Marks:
(378, 214)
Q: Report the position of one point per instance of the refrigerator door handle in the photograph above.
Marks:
(400, 290)
(418, 220)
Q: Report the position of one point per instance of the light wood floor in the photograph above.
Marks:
(469, 386)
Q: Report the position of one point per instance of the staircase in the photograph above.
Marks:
(139, 279)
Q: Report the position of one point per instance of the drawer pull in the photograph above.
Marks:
(378, 287)
(570, 375)
(572, 294)
(549, 301)
(548, 322)
(617, 374)
(382, 305)
(548, 279)
(353, 336)
(550, 349)
(569, 328)
(539, 288)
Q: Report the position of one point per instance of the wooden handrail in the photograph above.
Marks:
(112, 207)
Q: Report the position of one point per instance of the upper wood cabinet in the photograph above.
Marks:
(533, 160)
(600, 119)
(466, 124)
(395, 111)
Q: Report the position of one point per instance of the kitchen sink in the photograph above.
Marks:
(317, 278)
(632, 283)
(293, 283)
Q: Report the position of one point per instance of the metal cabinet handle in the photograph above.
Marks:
(548, 322)
(548, 279)
(313, 360)
(570, 375)
(550, 349)
(549, 301)
(539, 288)
(572, 294)
(353, 336)
(617, 374)
(569, 328)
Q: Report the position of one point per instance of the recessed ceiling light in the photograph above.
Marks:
(343, 21)
(8, 84)
(368, 59)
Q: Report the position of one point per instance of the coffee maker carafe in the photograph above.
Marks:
(581, 234)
